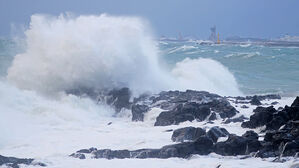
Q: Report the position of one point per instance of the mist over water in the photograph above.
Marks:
(105, 51)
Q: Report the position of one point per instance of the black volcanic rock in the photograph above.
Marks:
(14, 162)
(187, 134)
(236, 145)
(183, 112)
(261, 116)
(78, 155)
(281, 138)
(215, 132)
(119, 98)
(222, 107)
(251, 135)
(138, 112)
(296, 102)
(202, 146)
(191, 105)
(212, 116)
(255, 101)
(234, 120)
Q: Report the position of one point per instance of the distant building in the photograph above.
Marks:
(213, 36)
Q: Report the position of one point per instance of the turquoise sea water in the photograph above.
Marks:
(257, 69)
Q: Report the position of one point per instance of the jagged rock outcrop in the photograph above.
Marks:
(237, 145)
(16, 162)
(215, 132)
(187, 134)
(261, 116)
(138, 112)
(191, 105)
(183, 112)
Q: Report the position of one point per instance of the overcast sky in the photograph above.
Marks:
(246, 18)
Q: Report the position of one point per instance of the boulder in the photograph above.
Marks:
(215, 132)
(183, 112)
(119, 98)
(222, 107)
(251, 135)
(138, 112)
(255, 101)
(236, 145)
(213, 117)
(261, 116)
(187, 134)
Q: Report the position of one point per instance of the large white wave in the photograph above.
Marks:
(104, 52)
(205, 74)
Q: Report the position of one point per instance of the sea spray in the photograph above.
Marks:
(96, 52)
(205, 74)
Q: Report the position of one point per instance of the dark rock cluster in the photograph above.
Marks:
(15, 162)
(179, 106)
(256, 99)
(186, 106)
(193, 141)
(281, 129)
(279, 140)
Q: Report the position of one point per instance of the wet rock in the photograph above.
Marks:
(264, 97)
(279, 118)
(296, 102)
(183, 112)
(187, 134)
(261, 116)
(255, 101)
(215, 132)
(119, 98)
(212, 117)
(274, 103)
(111, 154)
(138, 112)
(251, 135)
(78, 155)
(281, 142)
(87, 150)
(202, 146)
(234, 120)
(14, 162)
(236, 145)
(222, 107)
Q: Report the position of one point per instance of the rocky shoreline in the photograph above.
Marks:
(280, 126)
(267, 130)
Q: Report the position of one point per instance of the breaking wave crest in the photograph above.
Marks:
(105, 51)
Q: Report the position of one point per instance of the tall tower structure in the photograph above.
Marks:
(213, 36)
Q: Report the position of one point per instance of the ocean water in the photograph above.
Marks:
(59, 53)
(257, 69)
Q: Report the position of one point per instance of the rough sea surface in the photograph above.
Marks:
(258, 69)
(39, 120)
